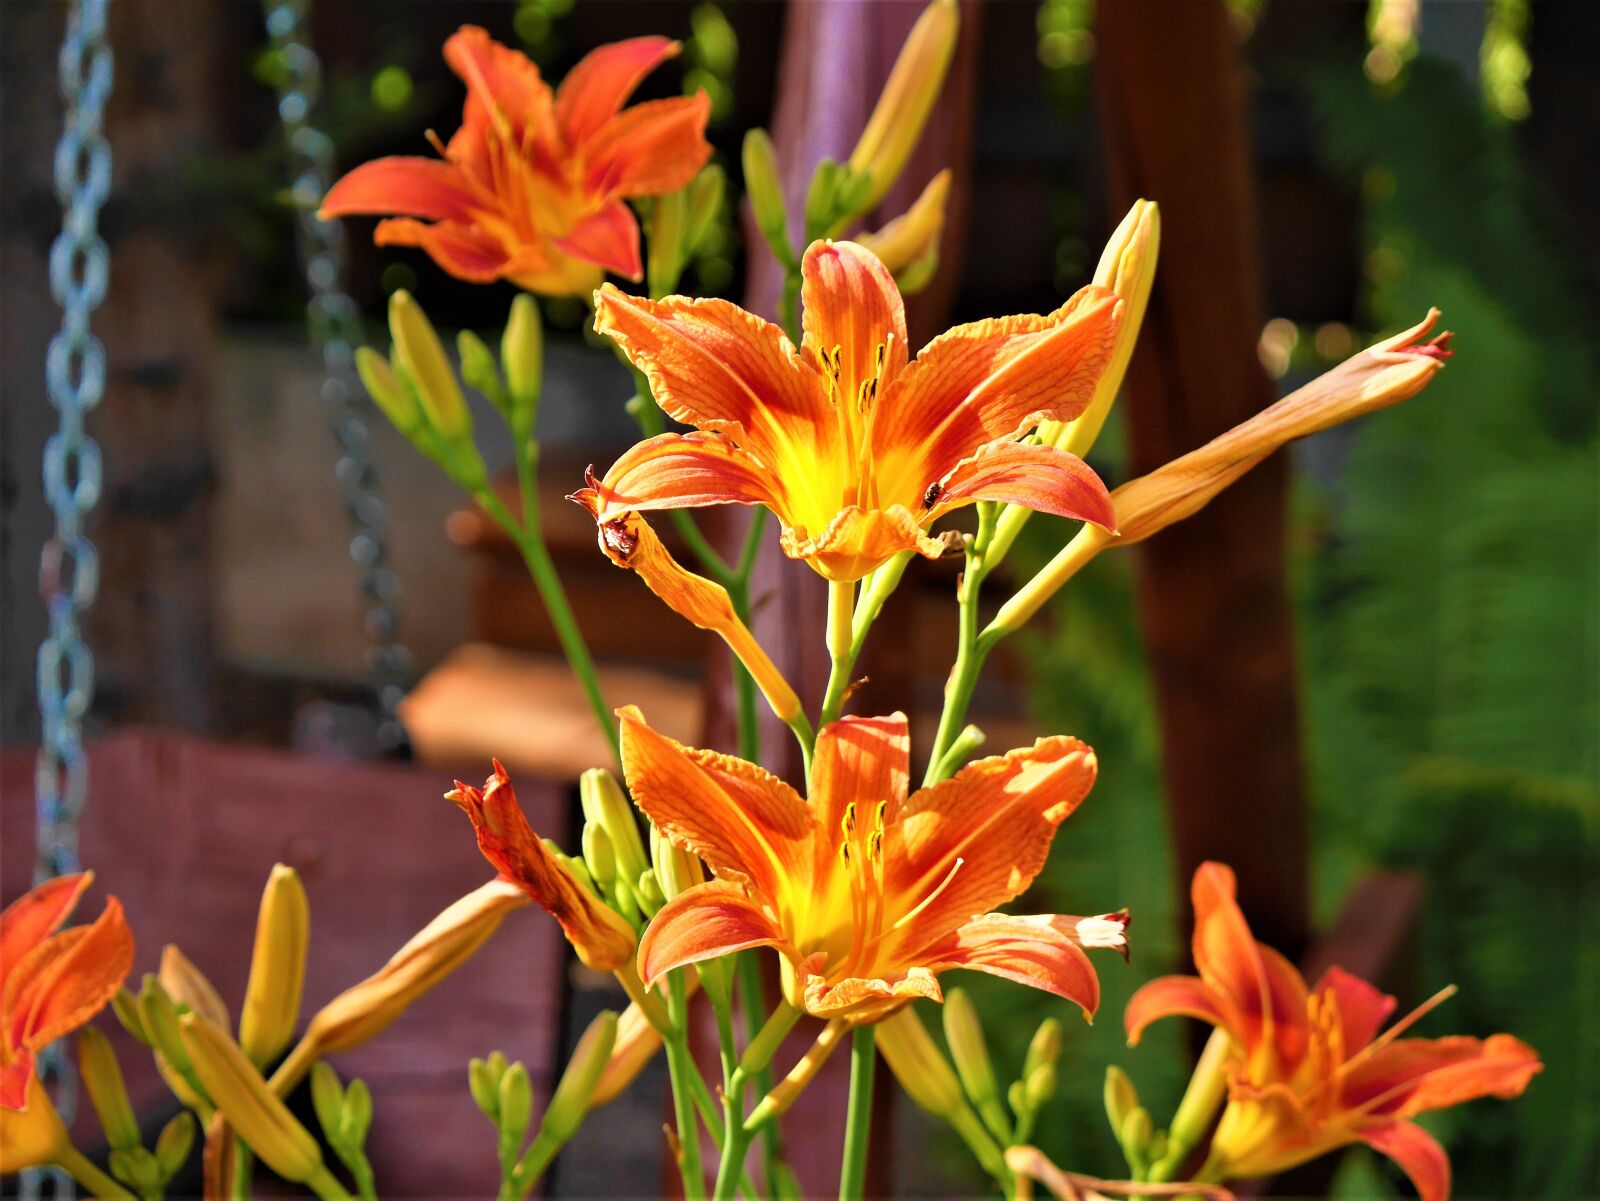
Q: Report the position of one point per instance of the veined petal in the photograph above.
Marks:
(852, 307)
(859, 761)
(415, 187)
(1415, 1075)
(649, 149)
(1418, 1155)
(1362, 1008)
(714, 366)
(989, 380)
(67, 979)
(858, 540)
(609, 238)
(975, 841)
(504, 84)
(1175, 996)
(748, 825)
(862, 1000)
(464, 251)
(595, 90)
(1041, 478)
(29, 919)
(708, 920)
(680, 471)
(1026, 949)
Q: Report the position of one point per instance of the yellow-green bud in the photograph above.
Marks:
(1121, 1097)
(174, 1143)
(919, 1065)
(102, 1080)
(676, 869)
(963, 1031)
(188, 986)
(597, 853)
(668, 248)
(1134, 1136)
(327, 1098)
(515, 1102)
(160, 1019)
(705, 202)
(484, 1083)
(570, 1102)
(277, 967)
(479, 369)
(522, 355)
(126, 1006)
(417, 348)
(393, 398)
(648, 893)
(1044, 1047)
(357, 1119)
(136, 1167)
(605, 805)
(762, 186)
(1039, 1085)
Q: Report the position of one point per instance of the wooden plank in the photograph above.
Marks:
(184, 831)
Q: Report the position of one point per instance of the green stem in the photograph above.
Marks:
(324, 1185)
(841, 648)
(970, 654)
(83, 1170)
(533, 1164)
(757, 1061)
(1208, 1087)
(243, 1168)
(681, 1066)
(858, 1117)
(744, 684)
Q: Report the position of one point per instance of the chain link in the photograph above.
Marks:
(69, 569)
(336, 330)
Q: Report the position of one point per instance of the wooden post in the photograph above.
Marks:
(1211, 590)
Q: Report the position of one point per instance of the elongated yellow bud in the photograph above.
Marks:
(187, 985)
(909, 245)
(102, 1080)
(159, 1017)
(907, 98)
(919, 1065)
(259, 1117)
(669, 227)
(1121, 1098)
(676, 869)
(605, 805)
(634, 1045)
(762, 186)
(388, 392)
(522, 356)
(571, 1100)
(277, 968)
(417, 348)
(705, 202)
(174, 1143)
(963, 1031)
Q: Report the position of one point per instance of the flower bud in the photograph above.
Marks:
(648, 893)
(762, 186)
(393, 398)
(515, 1103)
(605, 805)
(705, 202)
(668, 250)
(597, 853)
(676, 869)
(174, 1144)
(135, 1167)
(919, 1065)
(187, 985)
(968, 1047)
(160, 1020)
(522, 354)
(907, 99)
(1121, 1097)
(570, 1101)
(483, 1081)
(277, 968)
(479, 369)
(327, 1098)
(251, 1108)
(1039, 1085)
(1134, 1135)
(102, 1080)
(909, 245)
(418, 350)
(126, 1006)
(635, 1044)
(357, 1117)
(1044, 1048)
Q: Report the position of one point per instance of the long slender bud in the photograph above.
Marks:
(102, 1080)
(417, 348)
(277, 967)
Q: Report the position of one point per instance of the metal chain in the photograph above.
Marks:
(69, 573)
(335, 326)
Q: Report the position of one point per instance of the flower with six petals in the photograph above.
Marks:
(531, 188)
(1309, 1071)
(867, 893)
(857, 447)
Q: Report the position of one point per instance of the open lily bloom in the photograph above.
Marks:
(602, 939)
(867, 892)
(1310, 1072)
(856, 447)
(531, 187)
(50, 984)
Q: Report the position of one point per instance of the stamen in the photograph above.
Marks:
(437, 143)
(931, 897)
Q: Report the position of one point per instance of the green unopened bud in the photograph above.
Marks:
(277, 967)
(1134, 1136)
(762, 186)
(668, 249)
(705, 202)
(137, 1168)
(126, 1006)
(484, 1083)
(160, 1018)
(102, 1079)
(479, 369)
(522, 354)
(919, 1065)
(676, 869)
(1039, 1085)
(571, 1099)
(821, 197)
(1121, 1097)
(357, 1118)
(597, 853)
(964, 1033)
(327, 1098)
(174, 1144)
(605, 805)
(1044, 1047)
(648, 893)
(515, 1102)
(393, 398)
(417, 349)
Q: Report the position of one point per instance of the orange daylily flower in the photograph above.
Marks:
(867, 892)
(50, 984)
(600, 936)
(854, 445)
(1309, 1071)
(531, 187)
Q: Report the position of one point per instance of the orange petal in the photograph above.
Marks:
(595, 90)
(863, 1001)
(602, 939)
(1362, 1008)
(860, 761)
(851, 305)
(708, 920)
(1041, 478)
(649, 149)
(67, 979)
(858, 540)
(462, 250)
(1417, 1154)
(995, 379)
(609, 238)
(415, 187)
(29, 919)
(714, 366)
(748, 825)
(503, 84)
(1418, 1074)
(977, 840)
(680, 471)
(1026, 949)
(1175, 996)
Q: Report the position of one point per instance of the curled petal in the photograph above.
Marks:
(858, 1000)
(1041, 478)
(503, 85)
(462, 250)
(415, 187)
(1028, 950)
(852, 310)
(29, 919)
(711, 919)
(67, 979)
(679, 471)
(595, 90)
(1172, 996)
(650, 149)
(608, 238)
(859, 540)
(1417, 1154)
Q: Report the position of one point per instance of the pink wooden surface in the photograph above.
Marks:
(184, 831)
